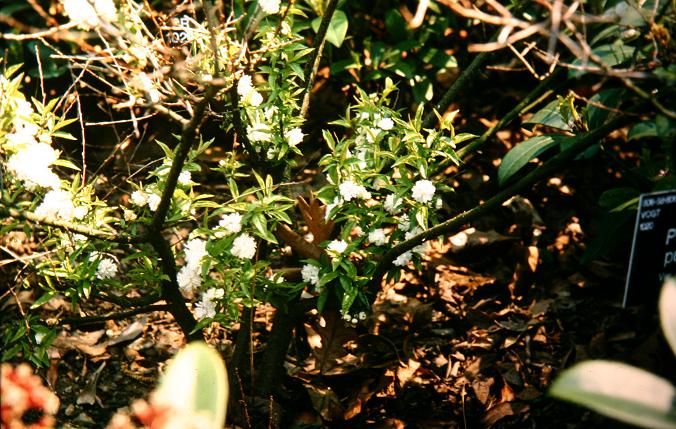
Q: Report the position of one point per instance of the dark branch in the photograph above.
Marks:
(80, 321)
(316, 55)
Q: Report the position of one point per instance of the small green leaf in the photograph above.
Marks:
(619, 391)
(522, 153)
(602, 104)
(550, 115)
(337, 30)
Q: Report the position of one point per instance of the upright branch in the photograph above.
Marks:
(316, 56)
(170, 290)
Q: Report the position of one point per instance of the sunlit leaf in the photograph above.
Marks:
(525, 151)
(668, 309)
(195, 383)
(619, 391)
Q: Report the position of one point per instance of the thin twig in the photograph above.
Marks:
(38, 34)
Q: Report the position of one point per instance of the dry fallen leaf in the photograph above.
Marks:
(84, 342)
(314, 213)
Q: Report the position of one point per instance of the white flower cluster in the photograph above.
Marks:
(230, 223)
(90, 13)
(244, 247)
(294, 136)
(368, 134)
(310, 274)
(32, 165)
(349, 190)
(57, 204)
(247, 93)
(403, 259)
(423, 191)
(106, 268)
(336, 247)
(32, 155)
(392, 203)
(269, 6)
(378, 237)
(207, 306)
(142, 198)
(189, 277)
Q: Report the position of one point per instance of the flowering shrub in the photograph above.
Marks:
(381, 174)
(247, 69)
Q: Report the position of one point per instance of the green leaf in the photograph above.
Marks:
(611, 55)
(195, 383)
(522, 153)
(337, 30)
(43, 299)
(668, 311)
(619, 391)
(601, 104)
(261, 228)
(550, 115)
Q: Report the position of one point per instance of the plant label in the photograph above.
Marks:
(653, 251)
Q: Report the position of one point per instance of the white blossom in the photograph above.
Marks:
(214, 294)
(310, 274)
(231, 222)
(57, 204)
(80, 212)
(195, 250)
(294, 136)
(106, 269)
(392, 203)
(337, 246)
(349, 190)
(403, 259)
(31, 164)
(205, 308)
(185, 178)
(139, 198)
(423, 191)
(189, 278)
(88, 14)
(254, 99)
(269, 6)
(244, 247)
(247, 93)
(269, 112)
(404, 223)
(385, 124)
(258, 132)
(362, 315)
(154, 201)
(378, 237)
